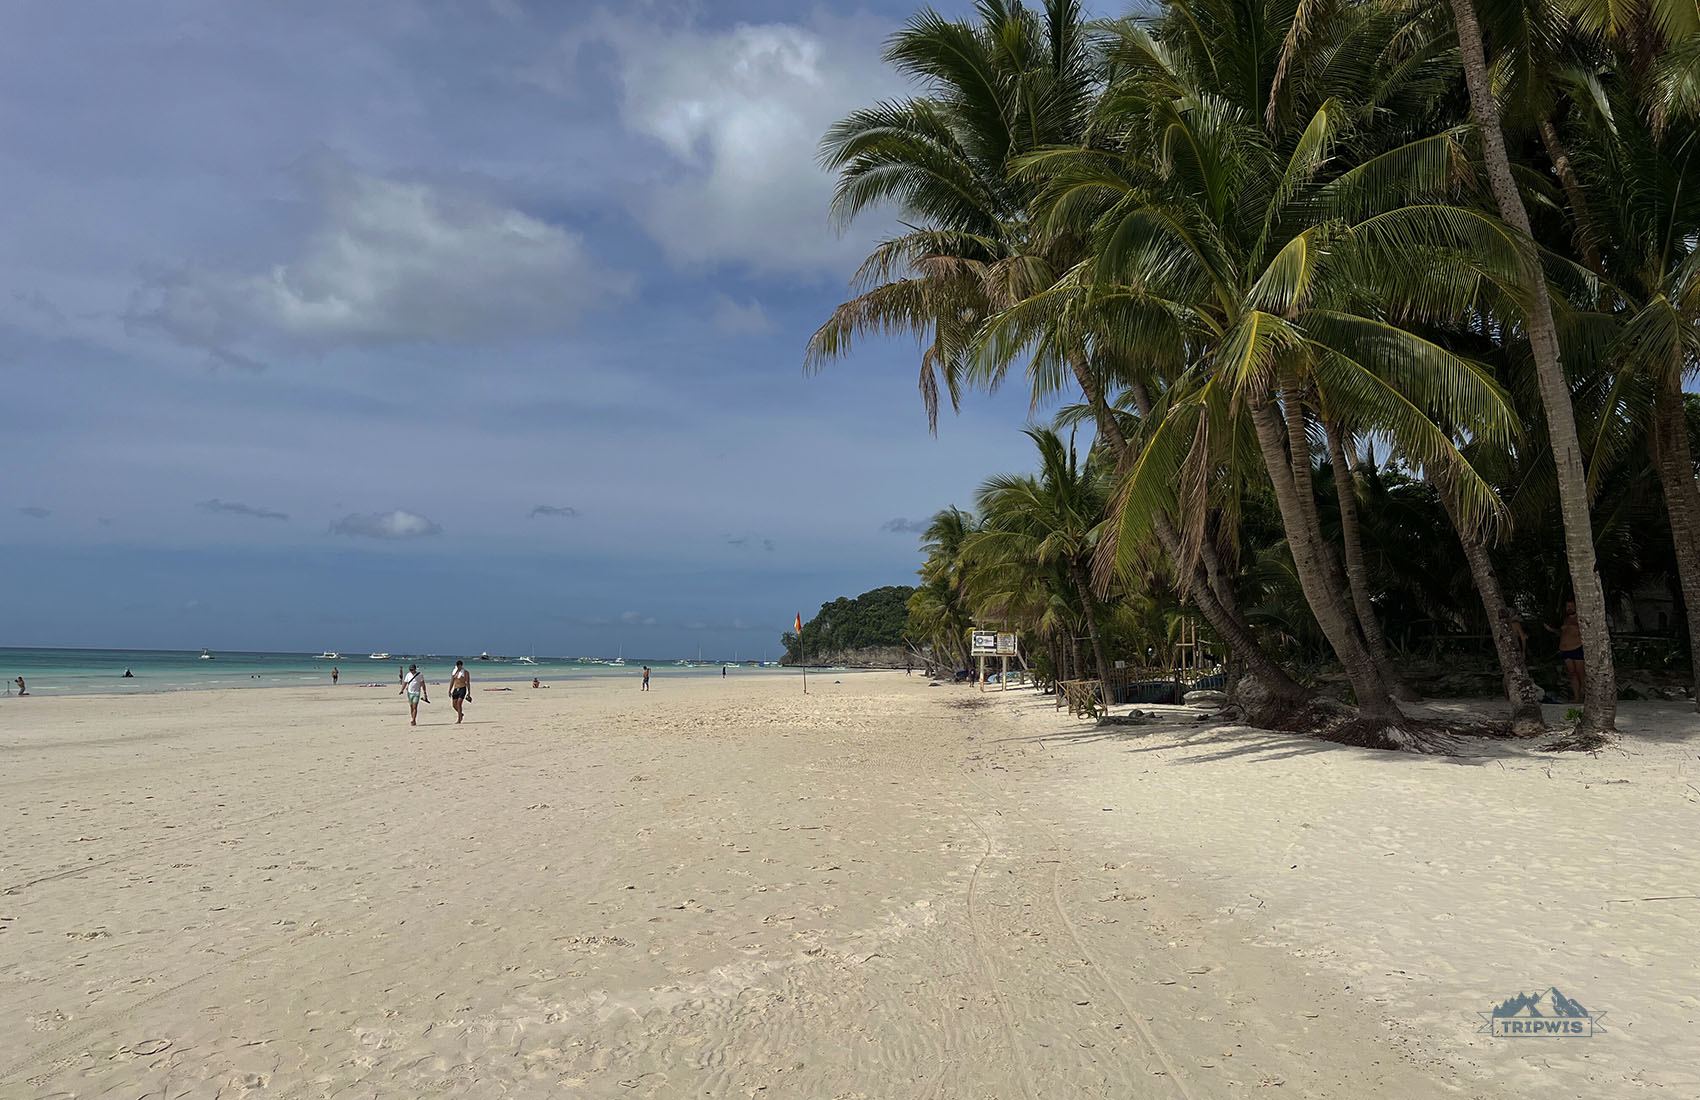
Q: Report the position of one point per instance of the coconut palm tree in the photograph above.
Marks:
(1541, 330)
(1647, 216)
(1050, 519)
(1010, 83)
(1271, 267)
(940, 615)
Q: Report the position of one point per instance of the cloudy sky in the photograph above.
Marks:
(420, 324)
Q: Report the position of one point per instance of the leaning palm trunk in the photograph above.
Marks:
(1311, 564)
(1599, 711)
(1520, 688)
(1262, 687)
(1675, 463)
(1089, 606)
(1357, 572)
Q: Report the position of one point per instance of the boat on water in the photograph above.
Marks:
(206, 656)
(378, 657)
(525, 660)
(327, 655)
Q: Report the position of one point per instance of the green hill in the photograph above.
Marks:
(872, 620)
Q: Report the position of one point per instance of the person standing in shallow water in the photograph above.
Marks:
(460, 686)
(646, 677)
(334, 674)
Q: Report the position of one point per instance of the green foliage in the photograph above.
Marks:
(1204, 211)
(875, 618)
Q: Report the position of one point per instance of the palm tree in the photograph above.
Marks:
(1270, 271)
(1052, 520)
(1600, 709)
(939, 612)
(1013, 82)
(1648, 220)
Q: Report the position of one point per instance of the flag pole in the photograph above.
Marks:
(803, 664)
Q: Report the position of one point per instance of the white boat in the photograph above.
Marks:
(525, 660)
(327, 655)
(205, 656)
(380, 657)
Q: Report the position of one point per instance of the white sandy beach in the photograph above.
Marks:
(880, 890)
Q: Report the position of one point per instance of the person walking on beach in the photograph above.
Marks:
(334, 674)
(460, 686)
(1570, 649)
(646, 677)
(413, 686)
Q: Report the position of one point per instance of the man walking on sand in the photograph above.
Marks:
(334, 674)
(413, 686)
(646, 677)
(460, 686)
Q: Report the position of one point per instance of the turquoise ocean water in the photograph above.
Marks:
(101, 671)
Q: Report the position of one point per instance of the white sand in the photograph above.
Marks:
(722, 888)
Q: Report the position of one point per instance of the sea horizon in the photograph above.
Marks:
(62, 670)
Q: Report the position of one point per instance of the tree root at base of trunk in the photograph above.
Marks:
(1577, 741)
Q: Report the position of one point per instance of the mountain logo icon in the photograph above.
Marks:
(1548, 1014)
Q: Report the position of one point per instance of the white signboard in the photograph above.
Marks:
(985, 643)
(1006, 645)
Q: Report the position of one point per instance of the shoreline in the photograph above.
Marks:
(881, 886)
(573, 674)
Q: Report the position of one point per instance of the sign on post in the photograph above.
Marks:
(985, 643)
(1006, 645)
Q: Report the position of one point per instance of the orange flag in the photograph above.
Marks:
(799, 624)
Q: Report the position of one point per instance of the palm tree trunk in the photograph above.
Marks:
(1675, 463)
(1357, 571)
(1520, 688)
(1090, 606)
(1270, 687)
(1599, 711)
(1306, 545)
(1582, 222)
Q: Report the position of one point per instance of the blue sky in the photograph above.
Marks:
(454, 326)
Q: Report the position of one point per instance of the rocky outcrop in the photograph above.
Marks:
(879, 656)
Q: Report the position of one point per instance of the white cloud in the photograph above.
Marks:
(390, 261)
(385, 525)
(734, 319)
(741, 113)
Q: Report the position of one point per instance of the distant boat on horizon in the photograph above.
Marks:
(378, 657)
(327, 655)
(205, 656)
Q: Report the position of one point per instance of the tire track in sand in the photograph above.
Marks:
(1057, 905)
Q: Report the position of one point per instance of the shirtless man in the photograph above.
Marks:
(460, 686)
(1570, 649)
